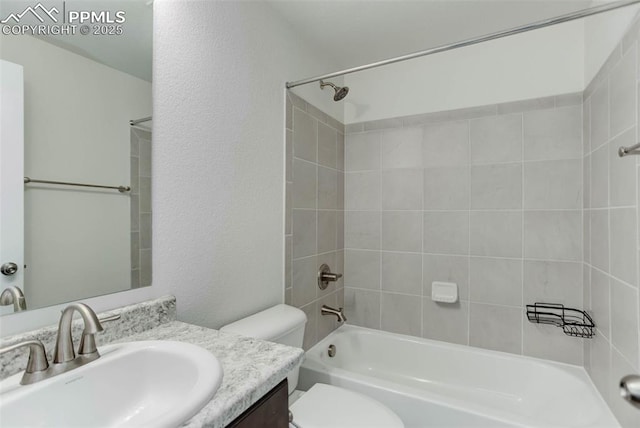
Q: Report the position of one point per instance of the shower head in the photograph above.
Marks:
(341, 92)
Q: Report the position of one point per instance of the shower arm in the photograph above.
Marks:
(583, 13)
(323, 84)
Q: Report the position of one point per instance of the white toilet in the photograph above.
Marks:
(322, 406)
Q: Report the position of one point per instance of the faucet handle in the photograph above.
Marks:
(110, 318)
(325, 276)
(37, 363)
(88, 340)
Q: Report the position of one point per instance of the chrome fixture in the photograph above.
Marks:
(13, 296)
(291, 422)
(331, 351)
(134, 122)
(631, 150)
(341, 92)
(474, 41)
(8, 268)
(120, 189)
(325, 276)
(64, 352)
(328, 310)
(144, 123)
(630, 389)
(64, 357)
(37, 366)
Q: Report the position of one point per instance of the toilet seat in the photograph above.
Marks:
(328, 406)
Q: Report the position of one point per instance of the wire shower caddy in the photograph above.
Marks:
(574, 322)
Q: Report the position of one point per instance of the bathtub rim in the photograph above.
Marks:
(316, 365)
(442, 344)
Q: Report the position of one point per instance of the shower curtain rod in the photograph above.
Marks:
(468, 42)
(147, 119)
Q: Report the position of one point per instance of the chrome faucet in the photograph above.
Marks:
(328, 310)
(13, 296)
(64, 357)
(64, 352)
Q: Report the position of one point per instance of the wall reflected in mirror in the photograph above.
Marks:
(80, 94)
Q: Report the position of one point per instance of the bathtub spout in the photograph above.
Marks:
(328, 310)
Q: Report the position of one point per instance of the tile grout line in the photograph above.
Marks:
(608, 140)
(380, 163)
(423, 297)
(522, 249)
(480, 163)
(611, 139)
(469, 181)
(637, 218)
(317, 203)
(473, 256)
(288, 100)
(585, 307)
(488, 210)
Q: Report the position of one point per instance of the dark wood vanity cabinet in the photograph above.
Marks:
(271, 411)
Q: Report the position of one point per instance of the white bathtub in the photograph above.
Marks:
(436, 384)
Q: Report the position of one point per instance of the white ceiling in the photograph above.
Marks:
(351, 32)
(130, 52)
(356, 32)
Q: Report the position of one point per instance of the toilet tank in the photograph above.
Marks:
(282, 324)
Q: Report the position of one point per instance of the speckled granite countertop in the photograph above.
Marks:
(251, 368)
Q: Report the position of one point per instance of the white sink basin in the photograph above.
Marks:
(136, 384)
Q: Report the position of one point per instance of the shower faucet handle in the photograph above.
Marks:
(331, 277)
(325, 276)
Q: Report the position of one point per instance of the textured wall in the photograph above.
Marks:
(314, 222)
(219, 155)
(489, 198)
(612, 186)
(220, 69)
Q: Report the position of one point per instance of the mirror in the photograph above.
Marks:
(83, 71)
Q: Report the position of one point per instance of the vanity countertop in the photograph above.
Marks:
(251, 367)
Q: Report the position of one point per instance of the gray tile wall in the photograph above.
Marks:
(516, 203)
(140, 208)
(487, 197)
(314, 223)
(612, 186)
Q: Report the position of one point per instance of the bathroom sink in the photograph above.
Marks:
(135, 384)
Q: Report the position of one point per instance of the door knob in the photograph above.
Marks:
(9, 268)
(630, 389)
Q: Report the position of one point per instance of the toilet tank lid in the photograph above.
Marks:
(269, 324)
